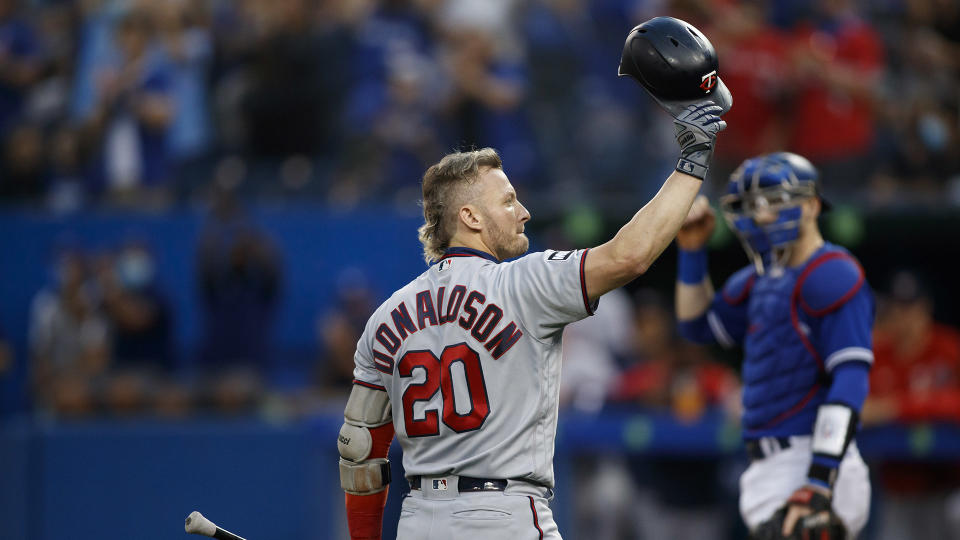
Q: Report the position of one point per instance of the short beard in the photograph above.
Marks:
(506, 245)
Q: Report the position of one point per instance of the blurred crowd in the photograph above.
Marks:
(101, 334)
(629, 355)
(143, 103)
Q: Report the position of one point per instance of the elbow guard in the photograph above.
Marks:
(365, 478)
(364, 442)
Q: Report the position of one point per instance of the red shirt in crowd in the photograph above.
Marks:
(834, 119)
(686, 390)
(925, 386)
(755, 69)
(926, 383)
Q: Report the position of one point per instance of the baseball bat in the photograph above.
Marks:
(197, 524)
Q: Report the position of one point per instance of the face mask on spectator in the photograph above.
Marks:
(933, 132)
(135, 269)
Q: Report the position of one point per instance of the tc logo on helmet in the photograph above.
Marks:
(708, 81)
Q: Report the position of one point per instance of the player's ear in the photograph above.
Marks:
(812, 207)
(470, 217)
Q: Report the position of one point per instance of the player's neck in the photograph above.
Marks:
(472, 242)
(805, 247)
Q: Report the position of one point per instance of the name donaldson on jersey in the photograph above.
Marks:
(480, 324)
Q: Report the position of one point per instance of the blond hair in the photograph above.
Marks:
(444, 186)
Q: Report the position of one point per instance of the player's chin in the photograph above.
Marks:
(517, 247)
(523, 244)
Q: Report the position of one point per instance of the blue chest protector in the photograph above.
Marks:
(780, 373)
(794, 329)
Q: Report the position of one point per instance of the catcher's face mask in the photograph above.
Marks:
(764, 206)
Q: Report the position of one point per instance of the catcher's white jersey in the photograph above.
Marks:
(469, 353)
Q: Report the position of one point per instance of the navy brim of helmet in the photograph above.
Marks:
(825, 205)
(720, 96)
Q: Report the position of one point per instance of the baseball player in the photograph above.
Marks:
(463, 363)
(803, 313)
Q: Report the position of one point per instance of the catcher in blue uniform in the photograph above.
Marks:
(803, 314)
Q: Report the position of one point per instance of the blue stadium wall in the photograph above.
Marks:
(314, 244)
(263, 480)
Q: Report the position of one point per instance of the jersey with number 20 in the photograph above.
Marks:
(469, 353)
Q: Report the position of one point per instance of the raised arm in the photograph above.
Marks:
(694, 291)
(634, 248)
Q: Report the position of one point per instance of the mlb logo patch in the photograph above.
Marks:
(440, 484)
(444, 264)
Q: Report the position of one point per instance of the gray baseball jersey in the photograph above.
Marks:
(469, 353)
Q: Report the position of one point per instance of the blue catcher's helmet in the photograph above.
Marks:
(773, 184)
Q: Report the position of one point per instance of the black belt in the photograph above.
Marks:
(766, 446)
(466, 484)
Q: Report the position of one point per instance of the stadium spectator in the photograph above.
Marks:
(680, 378)
(756, 70)
(916, 378)
(595, 350)
(35, 64)
(69, 340)
(919, 113)
(488, 84)
(391, 121)
(837, 64)
(142, 373)
(48, 99)
(20, 62)
(338, 330)
(67, 172)
(21, 167)
(559, 38)
(187, 41)
(294, 87)
(133, 110)
(239, 277)
(22, 67)
(584, 123)
(95, 50)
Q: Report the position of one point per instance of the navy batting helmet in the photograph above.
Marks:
(675, 63)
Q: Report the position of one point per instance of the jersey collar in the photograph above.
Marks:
(467, 252)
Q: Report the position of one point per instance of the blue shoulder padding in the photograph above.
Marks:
(737, 287)
(829, 281)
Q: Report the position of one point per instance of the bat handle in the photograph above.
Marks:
(197, 524)
(221, 534)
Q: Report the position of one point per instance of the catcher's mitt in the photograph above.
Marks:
(822, 524)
